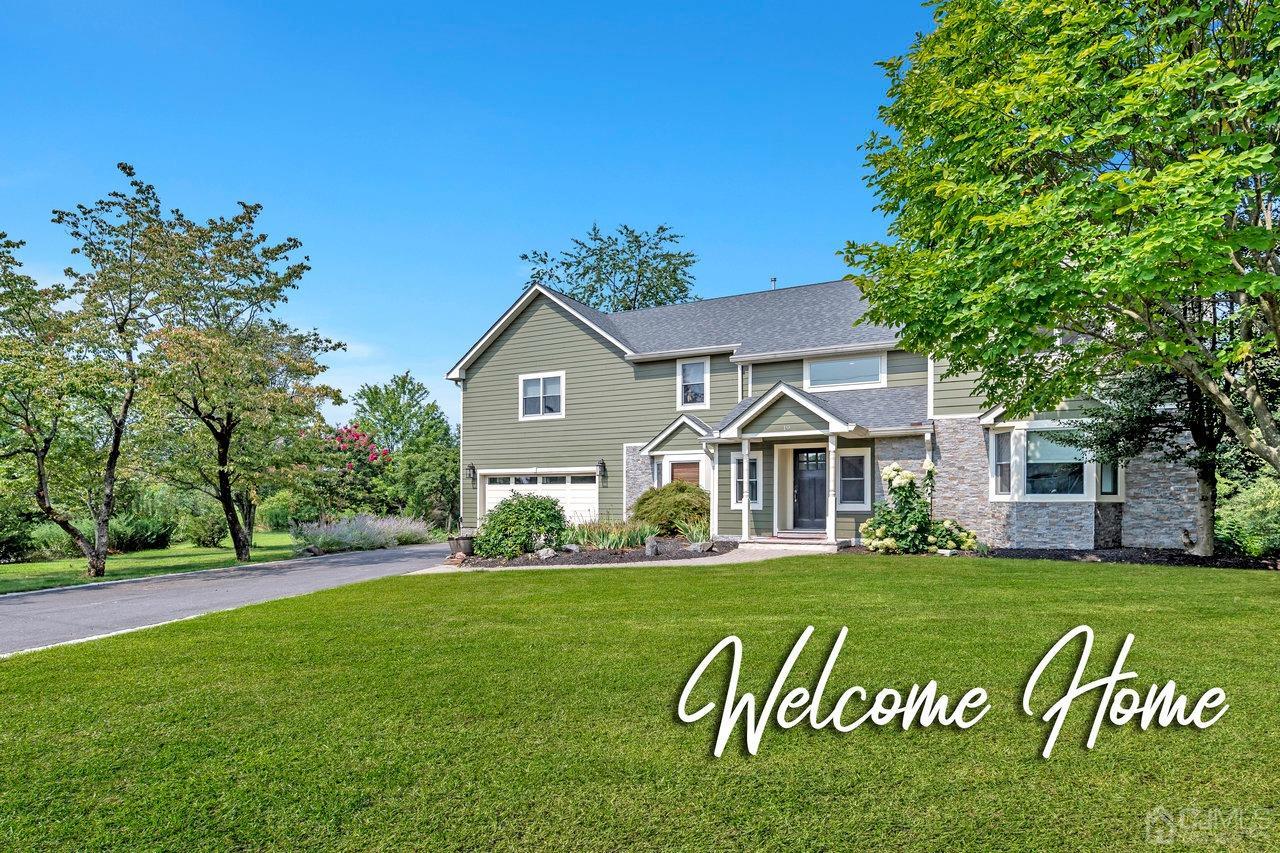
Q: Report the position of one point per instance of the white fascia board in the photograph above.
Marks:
(459, 370)
(680, 353)
(788, 355)
(990, 416)
(732, 429)
(683, 420)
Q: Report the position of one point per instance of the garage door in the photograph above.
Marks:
(577, 493)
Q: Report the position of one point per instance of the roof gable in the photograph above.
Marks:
(818, 415)
(589, 317)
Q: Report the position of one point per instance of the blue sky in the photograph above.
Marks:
(417, 151)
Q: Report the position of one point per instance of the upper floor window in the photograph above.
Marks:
(1053, 468)
(845, 372)
(693, 378)
(541, 396)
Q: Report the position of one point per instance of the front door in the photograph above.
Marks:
(810, 478)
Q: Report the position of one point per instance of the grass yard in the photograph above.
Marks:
(20, 577)
(536, 709)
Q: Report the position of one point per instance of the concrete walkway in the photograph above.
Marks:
(50, 617)
(737, 555)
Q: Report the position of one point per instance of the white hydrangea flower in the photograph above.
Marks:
(929, 466)
(902, 479)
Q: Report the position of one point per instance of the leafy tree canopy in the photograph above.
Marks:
(1080, 189)
(400, 412)
(619, 272)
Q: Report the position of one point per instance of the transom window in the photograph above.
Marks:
(553, 481)
(853, 479)
(752, 482)
(1053, 468)
(541, 396)
(499, 481)
(846, 371)
(582, 479)
(692, 377)
(525, 481)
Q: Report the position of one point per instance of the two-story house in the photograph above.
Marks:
(785, 411)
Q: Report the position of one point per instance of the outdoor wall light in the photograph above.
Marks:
(471, 472)
(601, 469)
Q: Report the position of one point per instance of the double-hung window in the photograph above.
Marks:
(693, 377)
(853, 491)
(1052, 468)
(1002, 462)
(845, 372)
(541, 396)
(752, 483)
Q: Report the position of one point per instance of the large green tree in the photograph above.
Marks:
(1080, 189)
(619, 272)
(234, 393)
(399, 412)
(70, 370)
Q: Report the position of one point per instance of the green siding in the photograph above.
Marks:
(785, 415)
(906, 368)
(765, 374)
(607, 402)
(683, 439)
(730, 520)
(954, 395)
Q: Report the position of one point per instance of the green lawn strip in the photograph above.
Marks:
(21, 577)
(504, 709)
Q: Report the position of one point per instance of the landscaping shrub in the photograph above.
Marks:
(1249, 521)
(670, 505)
(363, 533)
(285, 508)
(520, 524)
(15, 535)
(130, 533)
(695, 531)
(609, 535)
(904, 524)
(48, 541)
(206, 527)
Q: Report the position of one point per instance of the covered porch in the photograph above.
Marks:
(792, 472)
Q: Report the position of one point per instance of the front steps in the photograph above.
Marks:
(787, 540)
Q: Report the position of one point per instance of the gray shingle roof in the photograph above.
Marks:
(804, 317)
(873, 408)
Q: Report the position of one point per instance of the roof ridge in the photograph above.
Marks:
(725, 296)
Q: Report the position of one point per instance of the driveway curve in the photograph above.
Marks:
(51, 617)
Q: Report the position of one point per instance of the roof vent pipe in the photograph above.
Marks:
(773, 282)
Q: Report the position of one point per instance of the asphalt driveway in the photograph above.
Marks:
(33, 620)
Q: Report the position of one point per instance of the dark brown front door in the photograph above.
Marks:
(687, 471)
(810, 478)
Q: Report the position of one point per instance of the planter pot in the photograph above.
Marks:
(461, 545)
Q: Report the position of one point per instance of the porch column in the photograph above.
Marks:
(832, 464)
(745, 484)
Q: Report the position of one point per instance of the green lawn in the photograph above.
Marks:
(536, 709)
(19, 577)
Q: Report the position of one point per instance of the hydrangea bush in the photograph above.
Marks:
(904, 524)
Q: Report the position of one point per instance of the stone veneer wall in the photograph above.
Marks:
(639, 475)
(907, 451)
(1160, 502)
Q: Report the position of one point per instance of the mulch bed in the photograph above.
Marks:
(668, 549)
(1161, 556)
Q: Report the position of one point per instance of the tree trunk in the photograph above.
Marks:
(226, 496)
(95, 552)
(1206, 507)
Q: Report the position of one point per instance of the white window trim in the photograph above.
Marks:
(663, 466)
(706, 384)
(882, 382)
(868, 483)
(520, 415)
(1018, 470)
(735, 502)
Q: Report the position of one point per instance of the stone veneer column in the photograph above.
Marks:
(639, 475)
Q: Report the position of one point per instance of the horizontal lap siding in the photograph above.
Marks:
(785, 415)
(766, 374)
(682, 440)
(954, 395)
(906, 369)
(607, 402)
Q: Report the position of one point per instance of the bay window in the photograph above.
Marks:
(1052, 468)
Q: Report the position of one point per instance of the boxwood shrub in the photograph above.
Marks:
(520, 524)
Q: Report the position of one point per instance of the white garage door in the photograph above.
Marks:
(577, 493)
